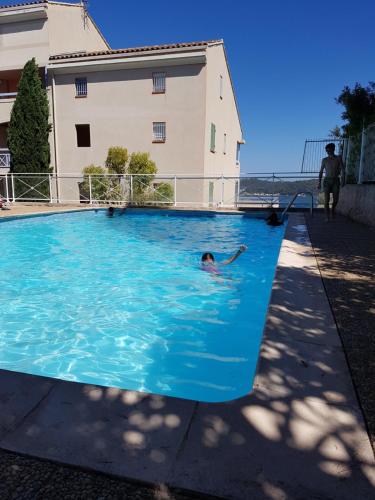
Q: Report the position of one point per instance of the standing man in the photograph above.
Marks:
(334, 167)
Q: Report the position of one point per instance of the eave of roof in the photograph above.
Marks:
(40, 2)
(137, 50)
(24, 4)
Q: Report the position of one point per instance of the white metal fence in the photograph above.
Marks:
(358, 154)
(360, 161)
(314, 151)
(262, 190)
(4, 158)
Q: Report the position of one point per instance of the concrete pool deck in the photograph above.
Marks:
(299, 434)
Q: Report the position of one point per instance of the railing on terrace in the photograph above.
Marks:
(4, 158)
(358, 153)
(255, 189)
(8, 95)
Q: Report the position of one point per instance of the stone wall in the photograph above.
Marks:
(357, 201)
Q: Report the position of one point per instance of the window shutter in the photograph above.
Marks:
(159, 131)
(158, 80)
(213, 137)
(81, 87)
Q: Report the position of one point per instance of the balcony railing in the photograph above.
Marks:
(8, 95)
(4, 158)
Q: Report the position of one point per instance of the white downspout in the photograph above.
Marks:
(55, 141)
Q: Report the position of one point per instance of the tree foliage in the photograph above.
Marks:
(100, 184)
(117, 159)
(359, 104)
(141, 163)
(335, 132)
(119, 187)
(29, 128)
(164, 192)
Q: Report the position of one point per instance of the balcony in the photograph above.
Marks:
(8, 95)
(4, 158)
(6, 106)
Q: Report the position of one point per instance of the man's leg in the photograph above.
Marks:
(327, 193)
(335, 194)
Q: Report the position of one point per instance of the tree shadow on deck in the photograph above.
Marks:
(345, 252)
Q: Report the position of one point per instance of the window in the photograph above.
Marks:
(158, 83)
(81, 87)
(159, 134)
(221, 86)
(238, 153)
(225, 144)
(83, 136)
(213, 138)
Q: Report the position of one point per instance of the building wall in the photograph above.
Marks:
(69, 33)
(21, 41)
(222, 112)
(62, 31)
(121, 108)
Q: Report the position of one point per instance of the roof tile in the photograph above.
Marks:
(133, 49)
(23, 4)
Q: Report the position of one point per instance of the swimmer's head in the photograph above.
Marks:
(330, 148)
(208, 258)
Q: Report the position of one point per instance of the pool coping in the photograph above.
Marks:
(303, 412)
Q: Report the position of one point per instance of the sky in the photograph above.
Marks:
(289, 59)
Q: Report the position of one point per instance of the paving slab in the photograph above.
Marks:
(305, 370)
(345, 253)
(299, 306)
(20, 394)
(277, 447)
(125, 433)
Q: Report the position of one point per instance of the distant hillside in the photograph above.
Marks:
(261, 186)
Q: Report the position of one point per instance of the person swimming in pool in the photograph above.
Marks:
(273, 220)
(209, 264)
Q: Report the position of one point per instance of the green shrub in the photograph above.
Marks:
(141, 163)
(164, 192)
(117, 159)
(100, 184)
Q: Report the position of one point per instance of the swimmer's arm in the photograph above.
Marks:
(242, 249)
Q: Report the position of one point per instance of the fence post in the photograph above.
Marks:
(238, 192)
(362, 158)
(222, 190)
(131, 188)
(347, 153)
(90, 190)
(7, 187)
(175, 191)
(273, 189)
(50, 188)
(13, 193)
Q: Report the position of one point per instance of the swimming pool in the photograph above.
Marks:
(122, 302)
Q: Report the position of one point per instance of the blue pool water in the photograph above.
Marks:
(122, 301)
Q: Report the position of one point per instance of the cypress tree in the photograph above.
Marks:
(29, 128)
